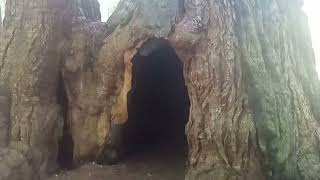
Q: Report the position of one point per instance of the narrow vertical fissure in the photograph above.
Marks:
(65, 153)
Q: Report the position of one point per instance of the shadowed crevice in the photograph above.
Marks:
(158, 104)
(65, 153)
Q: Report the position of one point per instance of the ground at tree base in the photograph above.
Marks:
(145, 166)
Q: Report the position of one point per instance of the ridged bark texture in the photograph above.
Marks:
(32, 45)
(34, 41)
(248, 66)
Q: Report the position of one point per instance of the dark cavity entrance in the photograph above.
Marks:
(158, 106)
(65, 152)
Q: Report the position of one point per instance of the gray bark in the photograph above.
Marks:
(249, 69)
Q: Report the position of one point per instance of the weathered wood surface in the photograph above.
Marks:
(248, 65)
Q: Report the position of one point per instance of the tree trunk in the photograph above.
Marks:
(32, 50)
(35, 41)
(248, 65)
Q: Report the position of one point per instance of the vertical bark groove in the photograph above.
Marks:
(248, 66)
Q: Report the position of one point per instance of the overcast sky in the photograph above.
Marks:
(107, 7)
(312, 8)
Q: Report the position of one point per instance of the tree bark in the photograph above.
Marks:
(31, 55)
(249, 69)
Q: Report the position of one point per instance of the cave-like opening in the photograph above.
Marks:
(158, 104)
(65, 151)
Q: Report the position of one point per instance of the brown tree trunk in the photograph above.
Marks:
(35, 40)
(248, 65)
(31, 54)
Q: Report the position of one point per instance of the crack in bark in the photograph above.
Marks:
(6, 50)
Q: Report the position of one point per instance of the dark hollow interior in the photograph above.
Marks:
(158, 104)
(65, 152)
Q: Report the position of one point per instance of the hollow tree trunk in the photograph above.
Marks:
(251, 78)
(248, 65)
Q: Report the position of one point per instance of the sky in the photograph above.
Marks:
(312, 9)
(107, 7)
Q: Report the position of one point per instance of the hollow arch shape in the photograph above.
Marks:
(158, 102)
(119, 111)
(170, 63)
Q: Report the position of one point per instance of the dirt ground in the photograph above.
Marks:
(156, 165)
